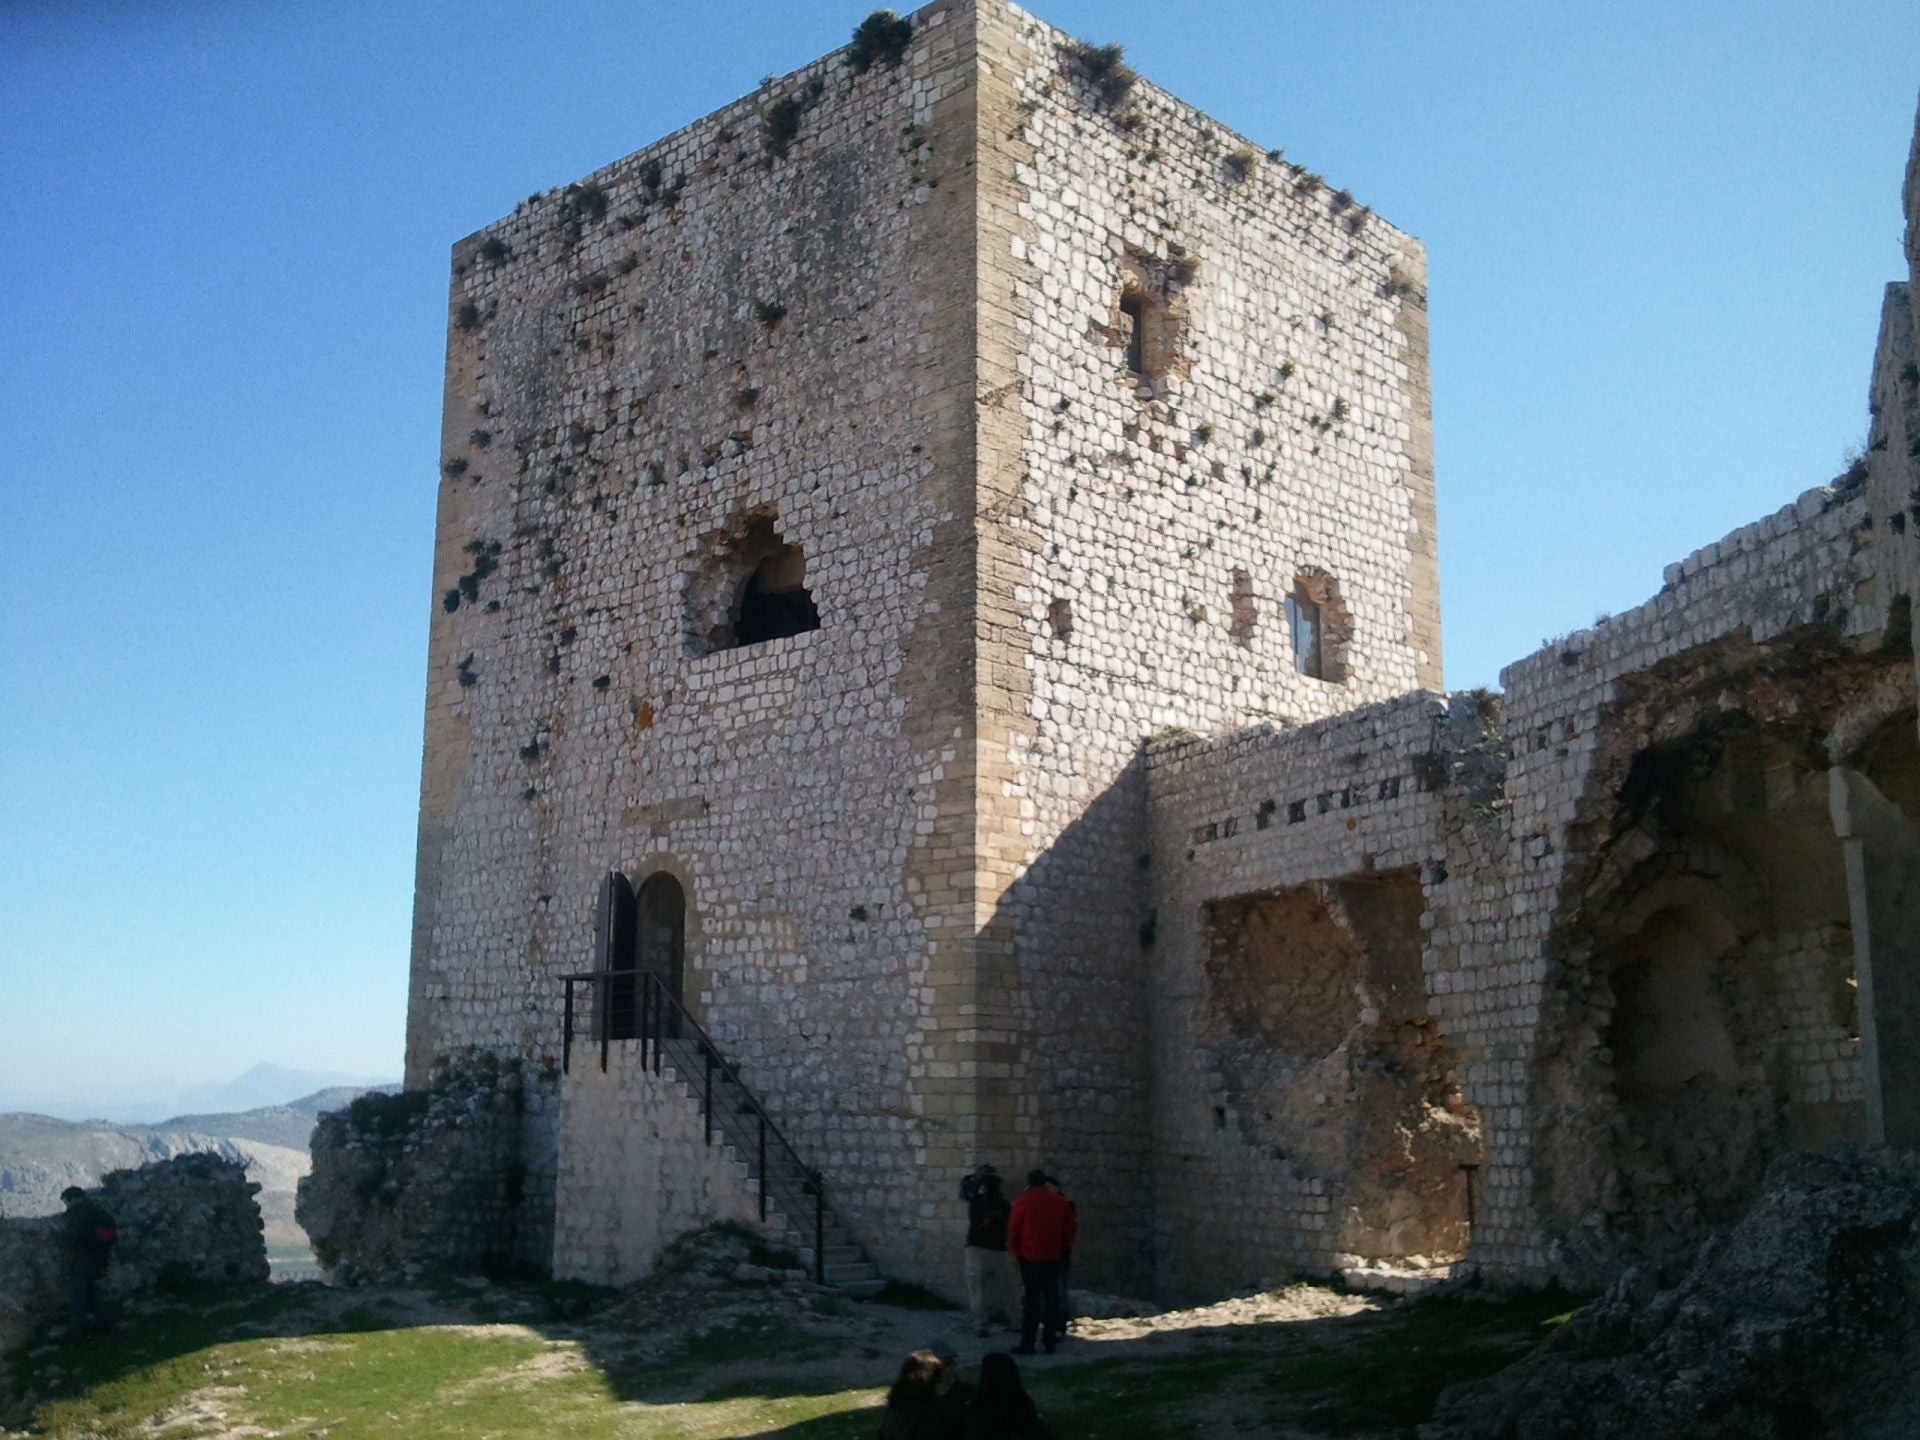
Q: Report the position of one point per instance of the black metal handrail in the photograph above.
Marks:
(659, 1020)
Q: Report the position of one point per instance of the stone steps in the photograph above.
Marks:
(847, 1266)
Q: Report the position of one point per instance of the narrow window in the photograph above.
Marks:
(1133, 315)
(1319, 626)
(1303, 628)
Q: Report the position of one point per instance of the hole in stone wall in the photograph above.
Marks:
(1060, 617)
(1316, 1018)
(1318, 626)
(1240, 608)
(751, 589)
(1134, 320)
(1724, 1019)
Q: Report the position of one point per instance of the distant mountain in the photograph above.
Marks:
(263, 1085)
(40, 1155)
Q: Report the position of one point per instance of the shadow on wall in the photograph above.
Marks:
(1707, 1021)
(1062, 975)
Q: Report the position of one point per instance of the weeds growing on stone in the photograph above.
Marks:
(1104, 68)
(880, 39)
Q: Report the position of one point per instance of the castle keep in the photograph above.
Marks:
(935, 569)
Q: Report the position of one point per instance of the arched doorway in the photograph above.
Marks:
(615, 932)
(662, 931)
(636, 933)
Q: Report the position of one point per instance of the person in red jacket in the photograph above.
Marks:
(1040, 1230)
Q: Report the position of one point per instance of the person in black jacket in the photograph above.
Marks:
(986, 1252)
(1001, 1408)
(88, 1234)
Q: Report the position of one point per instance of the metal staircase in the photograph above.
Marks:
(635, 1005)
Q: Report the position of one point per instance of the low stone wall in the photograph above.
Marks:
(185, 1222)
(636, 1171)
(447, 1180)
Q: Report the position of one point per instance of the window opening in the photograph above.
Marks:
(1303, 628)
(1133, 311)
(773, 602)
(749, 588)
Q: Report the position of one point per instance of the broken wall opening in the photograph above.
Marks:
(1713, 1022)
(748, 587)
(1326, 1059)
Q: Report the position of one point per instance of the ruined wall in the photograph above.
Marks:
(1637, 951)
(1140, 530)
(1622, 985)
(636, 1172)
(453, 1178)
(762, 321)
(1307, 1110)
(186, 1222)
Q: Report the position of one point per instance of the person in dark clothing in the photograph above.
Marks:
(1002, 1409)
(1066, 1262)
(953, 1397)
(986, 1243)
(1040, 1229)
(917, 1404)
(88, 1234)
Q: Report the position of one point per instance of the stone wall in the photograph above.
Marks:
(907, 838)
(183, 1223)
(636, 1172)
(1307, 1111)
(1141, 532)
(756, 322)
(456, 1178)
(1637, 952)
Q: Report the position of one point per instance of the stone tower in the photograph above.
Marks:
(835, 495)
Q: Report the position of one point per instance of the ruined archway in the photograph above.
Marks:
(1705, 1024)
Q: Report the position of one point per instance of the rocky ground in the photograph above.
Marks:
(717, 1346)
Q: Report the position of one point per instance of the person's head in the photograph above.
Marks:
(72, 1195)
(949, 1358)
(1036, 1178)
(919, 1378)
(999, 1392)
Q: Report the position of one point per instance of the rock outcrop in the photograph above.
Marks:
(436, 1181)
(1802, 1321)
(186, 1222)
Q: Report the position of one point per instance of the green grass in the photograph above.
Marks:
(298, 1359)
(1394, 1365)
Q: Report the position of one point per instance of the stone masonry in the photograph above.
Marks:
(937, 559)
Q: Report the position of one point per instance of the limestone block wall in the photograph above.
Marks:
(760, 324)
(1140, 531)
(1256, 1183)
(454, 1178)
(635, 1171)
(186, 1222)
(1741, 626)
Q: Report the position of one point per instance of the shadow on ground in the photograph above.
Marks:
(686, 1358)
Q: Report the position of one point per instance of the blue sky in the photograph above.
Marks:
(1657, 243)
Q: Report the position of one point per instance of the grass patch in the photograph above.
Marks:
(1393, 1366)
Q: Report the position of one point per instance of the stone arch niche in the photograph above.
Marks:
(1709, 1020)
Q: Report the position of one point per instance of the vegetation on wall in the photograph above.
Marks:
(1103, 68)
(880, 39)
